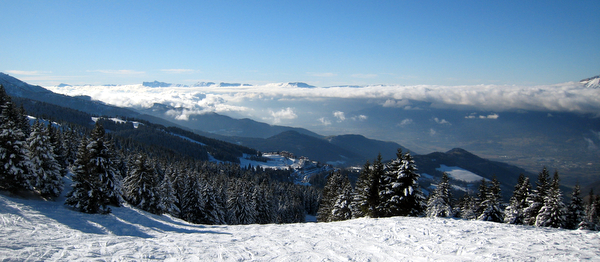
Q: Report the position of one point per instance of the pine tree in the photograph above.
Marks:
(330, 194)
(58, 145)
(15, 170)
(45, 168)
(376, 176)
(576, 211)
(438, 204)
(192, 203)
(514, 213)
(140, 187)
(240, 207)
(399, 192)
(213, 210)
(468, 207)
(553, 212)
(102, 163)
(360, 204)
(87, 194)
(168, 199)
(590, 221)
(263, 197)
(491, 210)
(336, 190)
(536, 199)
(96, 181)
(341, 209)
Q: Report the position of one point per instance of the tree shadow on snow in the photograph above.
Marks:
(123, 221)
(159, 223)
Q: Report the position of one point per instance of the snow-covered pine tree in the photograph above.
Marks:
(376, 177)
(331, 192)
(168, 199)
(87, 194)
(360, 203)
(58, 145)
(438, 204)
(536, 198)
(192, 203)
(240, 207)
(590, 221)
(263, 197)
(140, 187)
(399, 191)
(514, 213)
(553, 212)
(576, 211)
(214, 209)
(15, 173)
(468, 206)
(102, 163)
(341, 209)
(45, 168)
(491, 204)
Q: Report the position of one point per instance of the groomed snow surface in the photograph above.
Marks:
(35, 230)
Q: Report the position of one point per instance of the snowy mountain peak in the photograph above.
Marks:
(161, 84)
(592, 82)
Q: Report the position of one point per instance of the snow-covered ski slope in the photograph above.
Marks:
(34, 230)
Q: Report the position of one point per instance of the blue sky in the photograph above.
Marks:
(322, 43)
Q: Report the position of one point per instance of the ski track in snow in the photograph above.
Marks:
(49, 231)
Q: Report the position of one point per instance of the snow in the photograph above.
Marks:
(119, 121)
(461, 174)
(39, 230)
(275, 162)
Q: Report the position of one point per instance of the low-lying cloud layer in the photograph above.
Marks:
(567, 97)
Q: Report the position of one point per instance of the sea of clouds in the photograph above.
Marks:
(275, 103)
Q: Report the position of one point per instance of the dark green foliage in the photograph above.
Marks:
(141, 186)
(96, 181)
(335, 204)
(439, 202)
(536, 199)
(553, 212)
(360, 204)
(490, 202)
(46, 172)
(87, 195)
(399, 191)
(14, 154)
(576, 210)
(515, 212)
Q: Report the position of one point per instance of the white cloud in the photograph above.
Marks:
(286, 113)
(339, 115)
(441, 121)
(490, 116)
(432, 132)
(405, 122)
(567, 97)
(324, 121)
(359, 118)
(591, 145)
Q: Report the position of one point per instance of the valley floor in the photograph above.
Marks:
(34, 230)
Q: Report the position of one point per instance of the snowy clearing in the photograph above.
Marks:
(461, 174)
(37, 230)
